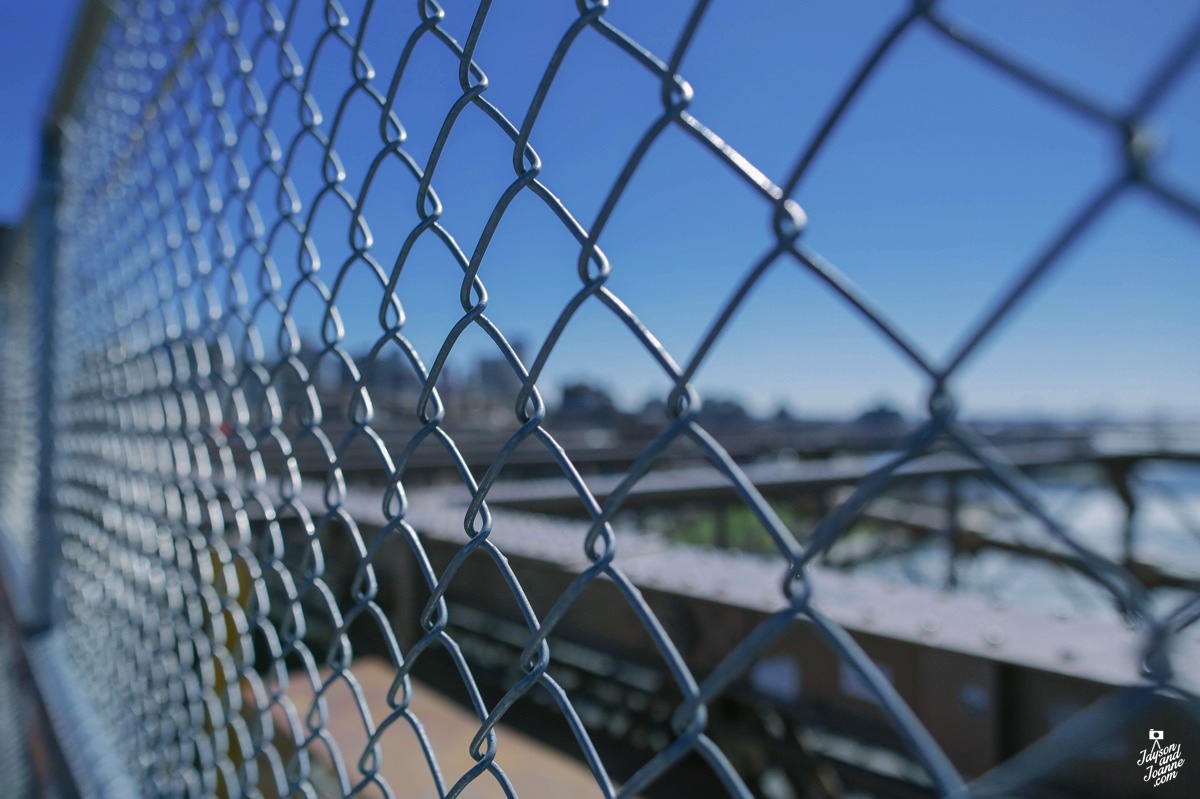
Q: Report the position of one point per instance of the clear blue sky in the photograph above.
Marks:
(32, 39)
(943, 181)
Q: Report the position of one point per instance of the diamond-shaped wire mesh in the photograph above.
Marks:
(239, 192)
(18, 364)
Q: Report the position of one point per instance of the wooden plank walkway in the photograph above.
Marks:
(537, 771)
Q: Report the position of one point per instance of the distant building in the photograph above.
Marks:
(723, 413)
(497, 382)
(881, 417)
(587, 402)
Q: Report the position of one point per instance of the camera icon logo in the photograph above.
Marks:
(1156, 735)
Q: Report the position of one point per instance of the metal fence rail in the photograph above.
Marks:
(200, 471)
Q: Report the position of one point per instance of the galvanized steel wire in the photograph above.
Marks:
(18, 393)
(174, 404)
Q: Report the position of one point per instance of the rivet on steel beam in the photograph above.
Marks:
(993, 635)
(975, 698)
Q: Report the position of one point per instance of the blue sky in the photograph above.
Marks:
(941, 183)
(32, 39)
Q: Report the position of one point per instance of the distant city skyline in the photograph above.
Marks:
(941, 184)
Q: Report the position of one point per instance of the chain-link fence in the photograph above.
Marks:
(265, 467)
(20, 384)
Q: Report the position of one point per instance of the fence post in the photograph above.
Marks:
(43, 610)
